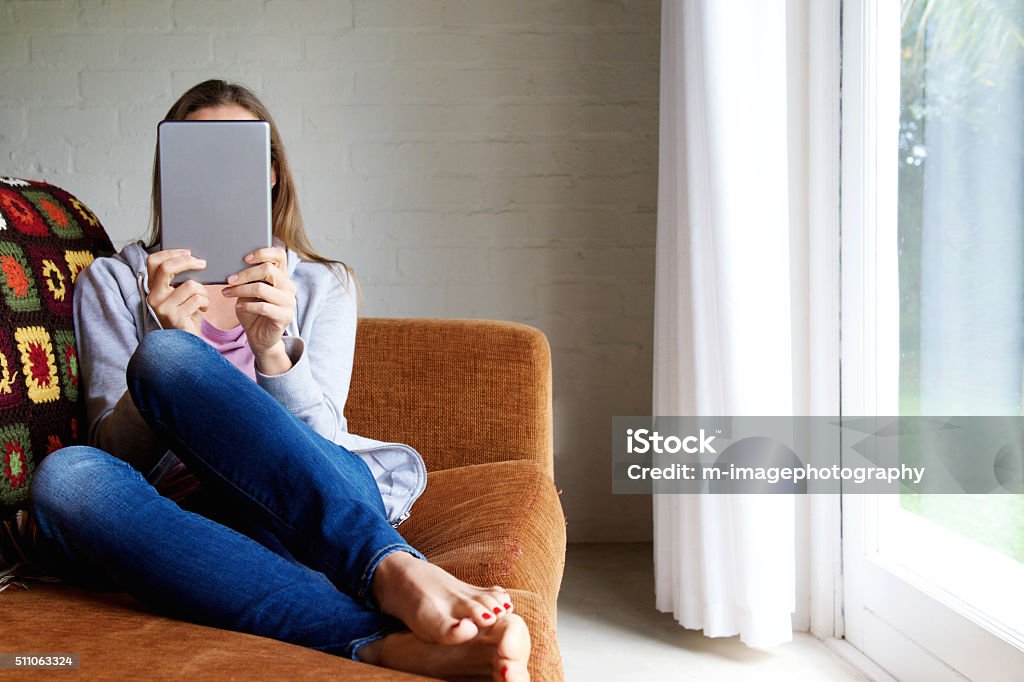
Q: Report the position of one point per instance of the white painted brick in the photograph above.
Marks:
(436, 265)
(523, 119)
(512, 191)
(638, 190)
(183, 79)
(12, 126)
(404, 300)
(340, 191)
(58, 123)
(618, 118)
(533, 264)
(112, 15)
(530, 47)
(589, 297)
(416, 48)
(246, 48)
(37, 161)
(484, 82)
(120, 157)
(348, 48)
(393, 13)
(597, 81)
(74, 50)
(172, 51)
(438, 192)
(579, 157)
(485, 157)
(200, 15)
(125, 86)
(639, 298)
(139, 122)
(591, 13)
(311, 16)
(487, 13)
(135, 189)
(39, 85)
(14, 49)
(618, 47)
(309, 87)
(315, 157)
(400, 83)
(50, 15)
(492, 301)
(347, 122)
(395, 157)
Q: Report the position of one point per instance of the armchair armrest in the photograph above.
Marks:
(460, 391)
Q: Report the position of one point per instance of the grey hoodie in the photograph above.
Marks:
(112, 316)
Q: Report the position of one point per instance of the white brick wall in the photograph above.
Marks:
(470, 158)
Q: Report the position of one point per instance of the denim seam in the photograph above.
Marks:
(355, 645)
(364, 582)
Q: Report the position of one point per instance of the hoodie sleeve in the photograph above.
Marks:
(315, 388)
(106, 335)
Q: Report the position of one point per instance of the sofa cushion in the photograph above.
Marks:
(499, 524)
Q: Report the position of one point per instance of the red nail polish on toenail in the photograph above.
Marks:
(504, 672)
(496, 610)
(508, 606)
(486, 616)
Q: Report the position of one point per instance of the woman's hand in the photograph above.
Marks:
(265, 306)
(179, 307)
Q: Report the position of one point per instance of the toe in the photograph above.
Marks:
(460, 631)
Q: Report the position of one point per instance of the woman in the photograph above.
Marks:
(221, 485)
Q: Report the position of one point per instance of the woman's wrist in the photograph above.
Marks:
(274, 360)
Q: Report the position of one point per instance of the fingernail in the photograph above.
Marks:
(232, 278)
(496, 610)
(507, 606)
(487, 616)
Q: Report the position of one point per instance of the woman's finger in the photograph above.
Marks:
(275, 313)
(264, 272)
(180, 294)
(271, 254)
(259, 290)
(170, 268)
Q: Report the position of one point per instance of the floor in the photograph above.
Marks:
(609, 630)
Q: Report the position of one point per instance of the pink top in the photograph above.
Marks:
(232, 344)
(178, 481)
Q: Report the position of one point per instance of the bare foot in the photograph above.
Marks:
(499, 653)
(435, 605)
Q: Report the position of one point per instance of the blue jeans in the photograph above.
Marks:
(282, 540)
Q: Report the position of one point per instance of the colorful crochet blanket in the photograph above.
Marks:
(47, 237)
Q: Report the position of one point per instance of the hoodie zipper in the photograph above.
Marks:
(422, 485)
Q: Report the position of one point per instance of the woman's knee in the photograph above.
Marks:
(157, 353)
(73, 476)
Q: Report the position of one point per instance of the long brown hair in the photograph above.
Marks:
(286, 217)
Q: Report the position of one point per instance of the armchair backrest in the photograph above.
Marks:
(459, 391)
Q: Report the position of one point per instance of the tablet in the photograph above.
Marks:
(214, 193)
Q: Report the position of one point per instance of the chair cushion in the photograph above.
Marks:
(47, 237)
(499, 524)
(488, 524)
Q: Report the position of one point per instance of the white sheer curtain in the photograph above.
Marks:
(728, 302)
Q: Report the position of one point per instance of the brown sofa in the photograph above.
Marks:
(474, 397)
